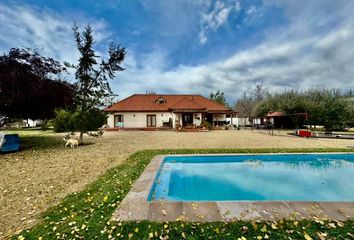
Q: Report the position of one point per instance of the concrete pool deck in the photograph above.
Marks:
(135, 207)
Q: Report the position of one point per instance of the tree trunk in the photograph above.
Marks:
(81, 138)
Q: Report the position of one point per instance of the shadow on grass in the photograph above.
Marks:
(36, 139)
(86, 144)
(40, 142)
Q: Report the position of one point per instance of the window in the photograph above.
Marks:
(160, 101)
(151, 120)
(118, 120)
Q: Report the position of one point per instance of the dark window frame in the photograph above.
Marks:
(118, 117)
(151, 116)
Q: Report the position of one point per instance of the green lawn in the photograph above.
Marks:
(86, 214)
(36, 139)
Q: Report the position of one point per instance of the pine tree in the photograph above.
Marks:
(92, 86)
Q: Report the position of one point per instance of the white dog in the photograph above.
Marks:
(72, 142)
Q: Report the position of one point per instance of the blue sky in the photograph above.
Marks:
(199, 46)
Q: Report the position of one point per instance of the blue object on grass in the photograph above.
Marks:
(12, 143)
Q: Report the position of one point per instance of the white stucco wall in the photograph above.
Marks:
(197, 119)
(138, 119)
(238, 121)
(110, 120)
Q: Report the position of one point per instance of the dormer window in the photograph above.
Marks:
(160, 100)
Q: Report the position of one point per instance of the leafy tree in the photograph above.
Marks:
(218, 97)
(28, 88)
(63, 121)
(246, 104)
(92, 87)
(327, 107)
(86, 120)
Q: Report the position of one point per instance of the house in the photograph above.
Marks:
(166, 111)
(23, 123)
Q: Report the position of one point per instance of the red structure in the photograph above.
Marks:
(305, 133)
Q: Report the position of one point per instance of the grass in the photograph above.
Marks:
(86, 214)
(35, 139)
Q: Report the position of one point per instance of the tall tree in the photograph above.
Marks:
(246, 104)
(219, 97)
(92, 86)
(30, 86)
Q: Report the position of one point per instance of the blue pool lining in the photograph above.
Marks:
(218, 158)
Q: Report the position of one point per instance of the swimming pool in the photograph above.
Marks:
(268, 177)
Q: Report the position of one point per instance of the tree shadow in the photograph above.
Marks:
(40, 142)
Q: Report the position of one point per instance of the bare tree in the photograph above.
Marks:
(250, 98)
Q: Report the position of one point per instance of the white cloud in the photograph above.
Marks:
(216, 17)
(202, 38)
(291, 57)
(50, 33)
(316, 47)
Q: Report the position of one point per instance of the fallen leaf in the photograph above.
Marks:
(322, 236)
(244, 229)
(274, 226)
(340, 224)
(264, 228)
(332, 225)
(307, 237)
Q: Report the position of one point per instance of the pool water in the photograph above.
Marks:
(290, 177)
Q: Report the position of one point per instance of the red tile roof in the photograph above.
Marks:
(176, 103)
(275, 114)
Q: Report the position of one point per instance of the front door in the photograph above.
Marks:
(187, 119)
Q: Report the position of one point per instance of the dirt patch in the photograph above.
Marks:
(37, 178)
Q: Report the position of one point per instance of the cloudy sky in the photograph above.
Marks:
(199, 46)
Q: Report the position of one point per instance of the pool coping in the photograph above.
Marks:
(136, 207)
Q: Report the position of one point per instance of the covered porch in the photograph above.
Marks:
(200, 120)
(188, 119)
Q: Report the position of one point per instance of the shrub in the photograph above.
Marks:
(206, 124)
(83, 121)
(63, 121)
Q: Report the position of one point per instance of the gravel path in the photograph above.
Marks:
(31, 181)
